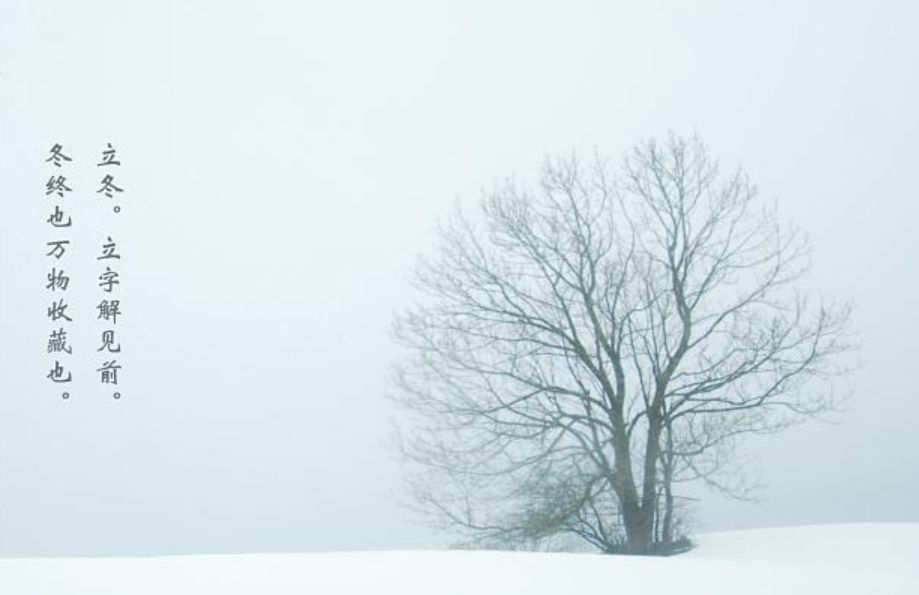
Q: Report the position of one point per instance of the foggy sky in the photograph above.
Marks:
(286, 162)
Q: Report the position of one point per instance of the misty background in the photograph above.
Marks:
(284, 163)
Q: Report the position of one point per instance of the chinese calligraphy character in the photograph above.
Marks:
(108, 280)
(108, 187)
(57, 218)
(109, 372)
(108, 157)
(108, 250)
(109, 310)
(58, 310)
(57, 342)
(58, 248)
(108, 342)
(57, 185)
(57, 280)
(57, 155)
(57, 373)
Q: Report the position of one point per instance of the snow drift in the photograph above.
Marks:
(837, 559)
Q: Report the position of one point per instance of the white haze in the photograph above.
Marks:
(286, 162)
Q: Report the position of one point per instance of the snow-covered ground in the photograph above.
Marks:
(859, 559)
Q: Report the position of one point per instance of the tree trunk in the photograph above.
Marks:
(643, 540)
(638, 529)
(667, 536)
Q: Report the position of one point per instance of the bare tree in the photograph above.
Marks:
(582, 349)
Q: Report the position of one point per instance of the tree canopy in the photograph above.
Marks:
(582, 348)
